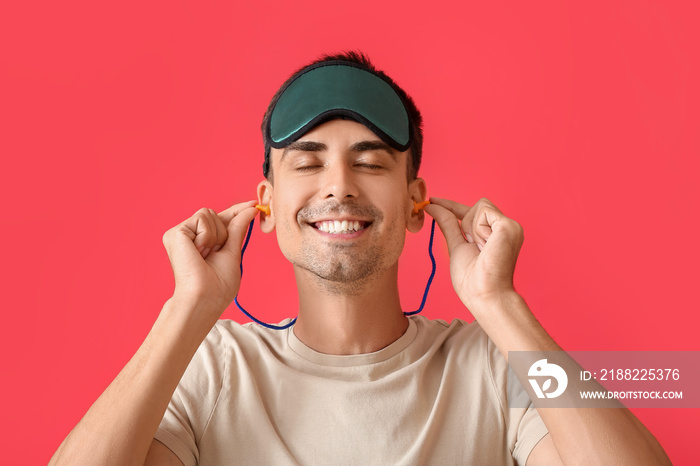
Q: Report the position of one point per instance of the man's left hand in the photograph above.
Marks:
(483, 245)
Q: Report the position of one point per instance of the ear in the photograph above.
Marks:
(417, 191)
(267, 222)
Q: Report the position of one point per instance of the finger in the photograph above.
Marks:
(188, 241)
(205, 232)
(237, 229)
(449, 225)
(467, 226)
(475, 223)
(487, 215)
(482, 224)
(221, 232)
(228, 214)
(178, 243)
(218, 235)
(460, 210)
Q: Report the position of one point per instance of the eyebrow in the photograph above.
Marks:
(362, 146)
(304, 146)
(365, 146)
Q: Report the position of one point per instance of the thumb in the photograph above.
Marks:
(449, 225)
(237, 229)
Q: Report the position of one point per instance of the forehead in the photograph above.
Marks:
(339, 131)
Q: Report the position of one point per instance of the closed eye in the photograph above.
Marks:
(307, 168)
(370, 166)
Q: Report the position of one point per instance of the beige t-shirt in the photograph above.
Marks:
(437, 395)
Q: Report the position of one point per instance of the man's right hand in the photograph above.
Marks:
(205, 255)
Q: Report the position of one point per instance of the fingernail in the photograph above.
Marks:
(216, 248)
(479, 246)
(206, 252)
(469, 238)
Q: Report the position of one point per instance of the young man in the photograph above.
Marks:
(353, 380)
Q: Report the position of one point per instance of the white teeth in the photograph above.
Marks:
(338, 226)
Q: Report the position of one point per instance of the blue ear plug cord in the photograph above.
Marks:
(432, 272)
(291, 322)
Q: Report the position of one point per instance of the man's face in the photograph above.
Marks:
(341, 202)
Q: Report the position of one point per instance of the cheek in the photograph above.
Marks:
(287, 238)
(398, 207)
(287, 202)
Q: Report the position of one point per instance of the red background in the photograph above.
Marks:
(119, 121)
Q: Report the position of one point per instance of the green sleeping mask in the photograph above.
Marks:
(337, 89)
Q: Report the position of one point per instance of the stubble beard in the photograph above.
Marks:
(347, 268)
(342, 269)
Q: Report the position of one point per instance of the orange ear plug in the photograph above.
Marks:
(417, 206)
(263, 208)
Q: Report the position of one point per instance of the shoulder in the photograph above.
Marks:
(467, 345)
(239, 337)
(457, 335)
(231, 347)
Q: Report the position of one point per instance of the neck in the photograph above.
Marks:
(351, 318)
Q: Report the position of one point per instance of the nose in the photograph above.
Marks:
(339, 181)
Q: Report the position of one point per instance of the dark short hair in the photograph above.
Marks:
(358, 58)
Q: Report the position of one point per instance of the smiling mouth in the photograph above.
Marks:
(338, 227)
